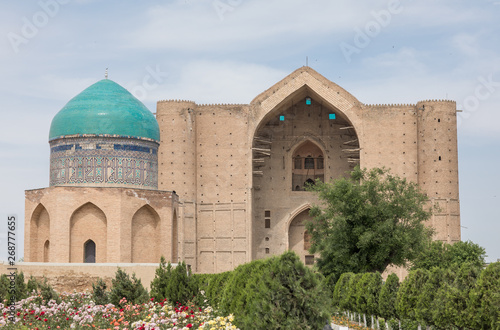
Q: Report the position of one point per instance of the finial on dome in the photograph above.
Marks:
(106, 73)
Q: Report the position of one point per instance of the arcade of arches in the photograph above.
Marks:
(96, 232)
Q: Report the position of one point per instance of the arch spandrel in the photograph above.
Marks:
(301, 83)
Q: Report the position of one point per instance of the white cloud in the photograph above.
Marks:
(220, 82)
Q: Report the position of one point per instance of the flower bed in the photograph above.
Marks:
(77, 310)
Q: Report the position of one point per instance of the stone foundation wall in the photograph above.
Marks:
(79, 276)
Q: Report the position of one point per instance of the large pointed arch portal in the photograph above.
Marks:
(303, 136)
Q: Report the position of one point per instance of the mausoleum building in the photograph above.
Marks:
(221, 185)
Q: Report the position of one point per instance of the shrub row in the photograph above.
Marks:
(275, 293)
(464, 296)
(21, 290)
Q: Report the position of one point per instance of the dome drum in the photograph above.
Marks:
(104, 162)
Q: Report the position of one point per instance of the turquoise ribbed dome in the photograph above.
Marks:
(105, 108)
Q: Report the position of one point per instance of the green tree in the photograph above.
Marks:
(443, 255)
(484, 300)
(340, 298)
(368, 221)
(99, 293)
(159, 284)
(234, 289)
(449, 306)
(4, 288)
(367, 292)
(424, 307)
(387, 297)
(409, 292)
(181, 286)
(47, 292)
(352, 293)
(285, 295)
(32, 285)
(129, 288)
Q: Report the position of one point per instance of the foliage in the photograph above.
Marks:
(352, 292)
(47, 293)
(443, 255)
(20, 291)
(161, 280)
(331, 281)
(368, 291)
(181, 286)
(368, 221)
(340, 297)
(4, 287)
(449, 306)
(129, 288)
(484, 304)
(285, 295)
(425, 298)
(99, 293)
(177, 285)
(216, 285)
(408, 294)
(387, 297)
(233, 296)
(32, 285)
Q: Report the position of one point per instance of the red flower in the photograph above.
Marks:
(189, 325)
(45, 320)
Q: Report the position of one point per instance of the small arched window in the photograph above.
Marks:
(89, 248)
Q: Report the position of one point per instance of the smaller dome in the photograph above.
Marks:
(105, 109)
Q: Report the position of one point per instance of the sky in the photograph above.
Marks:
(229, 51)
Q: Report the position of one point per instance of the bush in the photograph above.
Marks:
(99, 293)
(233, 295)
(409, 292)
(368, 290)
(285, 294)
(387, 297)
(32, 285)
(340, 298)
(125, 287)
(161, 280)
(216, 285)
(47, 292)
(181, 286)
(177, 285)
(4, 288)
(484, 304)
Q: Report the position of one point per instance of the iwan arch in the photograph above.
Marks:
(227, 183)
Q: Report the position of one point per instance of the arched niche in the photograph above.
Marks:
(88, 222)
(298, 237)
(146, 236)
(308, 165)
(175, 238)
(46, 251)
(39, 234)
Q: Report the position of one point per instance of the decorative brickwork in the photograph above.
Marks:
(104, 161)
